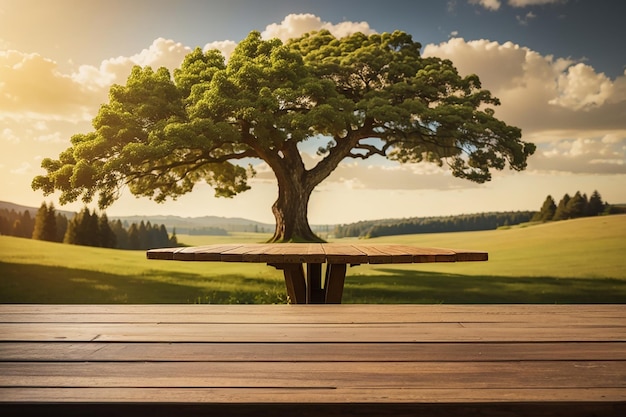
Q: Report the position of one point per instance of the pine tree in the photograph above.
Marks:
(561, 210)
(70, 232)
(105, 234)
(163, 238)
(121, 235)
(40, 220)
(577, 206)
(4, 226)
(595, 206)
(142, 233)
(133, 237)
(173, 240)
(24, 225)
(546, 213)
(61, 222)
(91, 229)
(45, 227)
(82, 229)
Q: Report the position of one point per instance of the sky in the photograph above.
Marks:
(558, 67)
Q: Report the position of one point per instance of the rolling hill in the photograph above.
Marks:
(571, 261)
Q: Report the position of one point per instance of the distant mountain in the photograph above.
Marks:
(33, 210)
(183, 225)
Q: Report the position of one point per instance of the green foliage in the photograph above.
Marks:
(87, 228)
(576, 261)
(159, 135)
(45, 223)
(442, 224)
(547, 210)
(580, 206)
(561, 212)
(569, 208)
(595, 206)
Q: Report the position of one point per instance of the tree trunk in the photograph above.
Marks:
(290, 211)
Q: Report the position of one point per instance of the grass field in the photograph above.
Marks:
(575, 261)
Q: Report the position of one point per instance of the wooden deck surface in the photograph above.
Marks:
(306, 285)
(334, 253)
(308, 360)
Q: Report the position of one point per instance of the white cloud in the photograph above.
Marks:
(495, 4)
(22, 169)
(573, 112)
(33, 88)
(295, 25)
(54, 137)
(487, 4)
(525, 3)
(583, 155)
(161, 53)
(225, 47)
(580, 87)
(523, 20)
(539, 92)
(8, 135)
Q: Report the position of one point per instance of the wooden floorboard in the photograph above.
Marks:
(285, 360)
(305, 352)
(387, 375)
(294, 333)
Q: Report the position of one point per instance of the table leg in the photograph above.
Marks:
(314, 292)
(294, 280)
(333, 285)
(307, 289)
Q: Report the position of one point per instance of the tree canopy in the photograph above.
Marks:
(160, 134)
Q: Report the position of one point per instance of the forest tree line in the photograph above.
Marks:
(567, 208)
(574, 207)
(86, 228)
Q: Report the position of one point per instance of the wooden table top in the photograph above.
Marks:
(285, 360)
(338, 253)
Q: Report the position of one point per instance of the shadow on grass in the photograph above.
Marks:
(409, 286)
(27, 283)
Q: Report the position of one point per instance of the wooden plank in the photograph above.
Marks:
(354, 313)
(294, 253)
(435, 399)
(377, 256)
(471, 256)
(344, 254)
(305, 352)
(399, 375)
(244, 253)
(396, 255)
(316, 253)
(313, 360)
(211, 253)
(313, 333)
(162, 253)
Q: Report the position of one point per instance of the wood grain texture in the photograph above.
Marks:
(313, 360)
(316, 253)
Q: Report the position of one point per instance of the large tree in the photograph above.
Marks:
(367, 95)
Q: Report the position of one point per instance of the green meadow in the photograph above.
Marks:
(574, 261)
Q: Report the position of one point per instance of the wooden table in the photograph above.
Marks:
(317, 360)
(294, 258)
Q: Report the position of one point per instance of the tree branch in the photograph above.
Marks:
(196, 163)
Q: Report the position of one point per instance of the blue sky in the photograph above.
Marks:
(557, 65)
